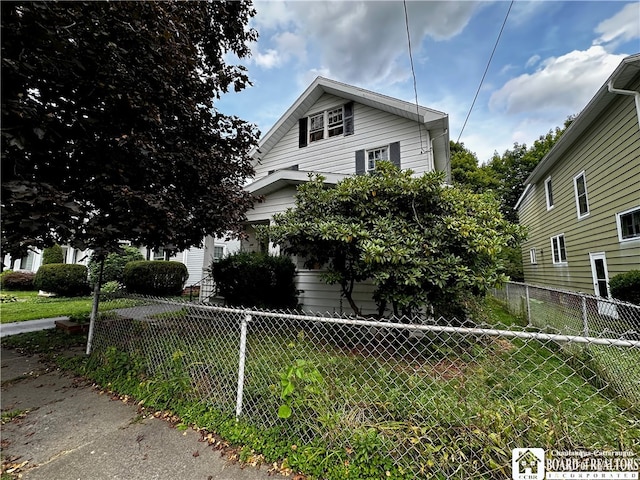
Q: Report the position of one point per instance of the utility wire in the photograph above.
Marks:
(485, 70)
(413, 72)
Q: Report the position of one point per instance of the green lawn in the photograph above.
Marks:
(29, 306)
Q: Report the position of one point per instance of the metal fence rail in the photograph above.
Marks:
(579, 314)
(435, 401)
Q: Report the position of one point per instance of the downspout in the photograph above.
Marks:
(628, 92)
(433, 157)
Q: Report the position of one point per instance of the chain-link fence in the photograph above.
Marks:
(404, 400)
(573, 313)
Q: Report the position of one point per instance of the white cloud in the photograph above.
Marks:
(269, 59)
(622, 27)
(359, 42)
(560, 83)
(290, 45)
(532, 61)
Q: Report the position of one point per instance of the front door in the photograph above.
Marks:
(601, 283)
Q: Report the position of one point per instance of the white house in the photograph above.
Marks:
(339, 130)
(197, 259)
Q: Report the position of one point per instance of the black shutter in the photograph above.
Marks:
(348, 119)
(394, 153)
(360, 167)
(302, 139)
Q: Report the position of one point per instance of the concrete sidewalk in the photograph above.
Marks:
(71, 431)
(7, 329)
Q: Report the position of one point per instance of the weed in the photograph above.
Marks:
(13, 415)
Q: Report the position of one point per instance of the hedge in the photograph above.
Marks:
(257, 280)
(155, 277)
(626, 286)
(114, 264)
(52, 254)
(17, 280)
(64, 279)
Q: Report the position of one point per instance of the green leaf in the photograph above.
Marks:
(284, 411)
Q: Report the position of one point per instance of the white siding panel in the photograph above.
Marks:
(273, 203)
(373, 128)
(317, 296)
(194, 260)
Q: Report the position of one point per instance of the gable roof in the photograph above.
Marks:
(433, 119)
(621, 78)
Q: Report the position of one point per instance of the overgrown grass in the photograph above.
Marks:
(453, 409)
(29, 306)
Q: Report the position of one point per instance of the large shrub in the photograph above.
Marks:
(155, 277)
(256, 280)
(52, 254)
(114, 264)
(17, 280)
(626, 286)
(67, 280)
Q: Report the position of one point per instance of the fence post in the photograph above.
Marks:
(528, 306)
(241, 362)
(508, 300)
(585, 321)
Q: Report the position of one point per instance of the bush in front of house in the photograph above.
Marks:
(155, 277)
(626, 286)
(256, 280)
(52, 254)
(17, 280)
(114, 264)
(64, 279)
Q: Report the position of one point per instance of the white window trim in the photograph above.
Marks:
(366, 156)
(325, 124)
(619, 225)
(213, 253)
(553, 251)
(546, 192)
(532, 256)
(586, 194)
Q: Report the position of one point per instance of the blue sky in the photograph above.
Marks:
(551, 59)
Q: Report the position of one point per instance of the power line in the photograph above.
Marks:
(413, 72)
(485, 71)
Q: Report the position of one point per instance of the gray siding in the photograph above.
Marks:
(609, 154)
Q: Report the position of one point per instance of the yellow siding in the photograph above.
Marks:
(609, 154)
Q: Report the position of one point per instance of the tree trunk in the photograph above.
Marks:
(94, 307)
(346, 292)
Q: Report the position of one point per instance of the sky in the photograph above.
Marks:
(551, 59)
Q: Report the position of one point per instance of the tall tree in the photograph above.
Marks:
(465, 171)
(419, 241)
(514, 166)
(109, 126)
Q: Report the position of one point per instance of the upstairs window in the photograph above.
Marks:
(559, 250)
(548, 190)
(628, 225)
(375, 155)
(335, 122)
(316, 127)
(326, 124)
(532, 256)
(580, 188)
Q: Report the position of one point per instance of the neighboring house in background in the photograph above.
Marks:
(33, 260)
(581, 204)
(197, 259)
(339, 130)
